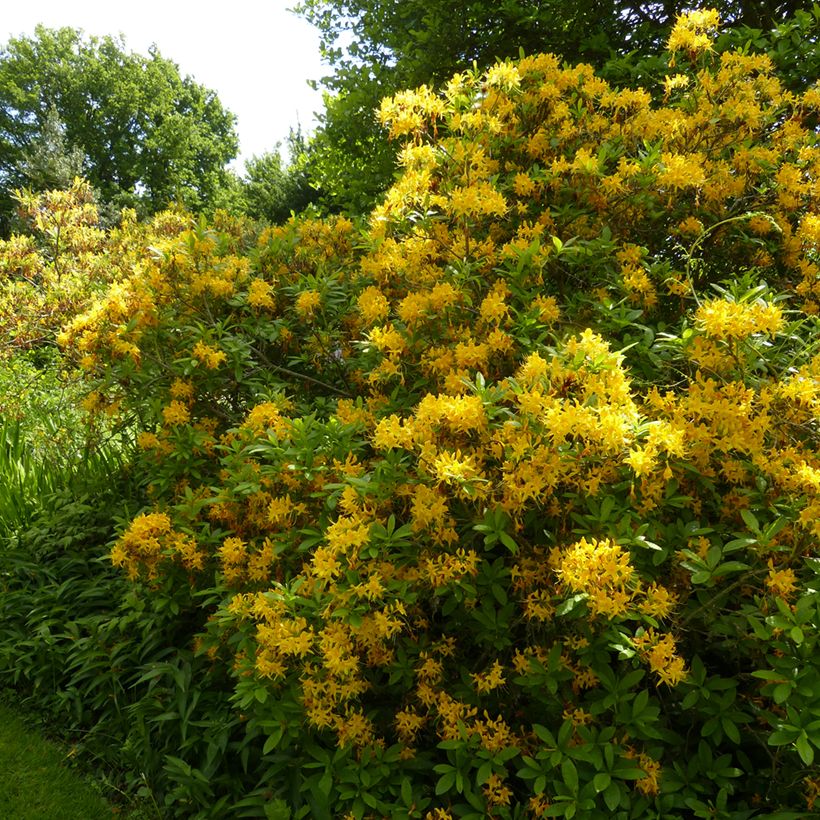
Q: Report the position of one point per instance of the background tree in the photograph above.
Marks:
(50, 163)
(274, 189)
(376, 47)
(148, 135)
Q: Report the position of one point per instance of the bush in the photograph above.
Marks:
(504, 503)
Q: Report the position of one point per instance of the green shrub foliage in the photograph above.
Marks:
(503, 503)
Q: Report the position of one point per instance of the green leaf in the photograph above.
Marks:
(729, 566)
(601, 781)
(570, 775)
(446, 782)
(731, 730)
(782, 737)
(629, 773)
(750, 521)
(767, 674)
(804, 749)
(406, 792)
(277, 810)
(273, 740)
(508, 542)
(544, 734)
(612, 796)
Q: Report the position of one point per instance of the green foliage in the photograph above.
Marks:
(504, 502)
(111, 668)
(49, 163)
(792, 43)
(45, 441)
(149, 137)
(348, 159)
(272, 190)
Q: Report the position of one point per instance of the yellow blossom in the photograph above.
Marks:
(492, 679)
(307, 302)
(208, 356)
(373, 305)
(176, 413)
(691, 31)
(259, 294)
(781, 582)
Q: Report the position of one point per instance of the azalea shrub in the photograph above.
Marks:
(53, 266)
(503, 501)
(52, 269)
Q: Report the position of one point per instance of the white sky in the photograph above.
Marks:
(257, 56)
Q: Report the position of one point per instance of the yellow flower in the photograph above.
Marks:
(182, 390)
(781, 582)
(147, 441)
(454, 468)
(658, 601)
(408, 724)
(691, 31)
(373, 305)
(503, 75)
(725, 319)
(670, 83)
(233, 551)
(659, 651)
(487, 681)
(387, 340)
(259, 294)
(307, 302)
(649, 783)
(641, 460)
(207, 355)
(548, 310)
(176, 413)
(496, 793)
(682, 171)
(493, 308)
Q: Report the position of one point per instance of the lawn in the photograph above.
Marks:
(36, 783)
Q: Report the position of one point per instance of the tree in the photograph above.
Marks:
(148, 135)
(50, 163)
(376, 47)
(272, 189)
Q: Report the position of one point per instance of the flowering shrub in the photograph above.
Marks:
(50, 273)
(505, 503)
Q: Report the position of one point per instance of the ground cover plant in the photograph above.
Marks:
(501, 502)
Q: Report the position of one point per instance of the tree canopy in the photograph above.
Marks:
(427, 40)
(148, 135)
(271, 188)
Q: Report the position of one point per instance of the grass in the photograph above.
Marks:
(36, 783)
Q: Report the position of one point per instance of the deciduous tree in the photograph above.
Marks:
(148, 135)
